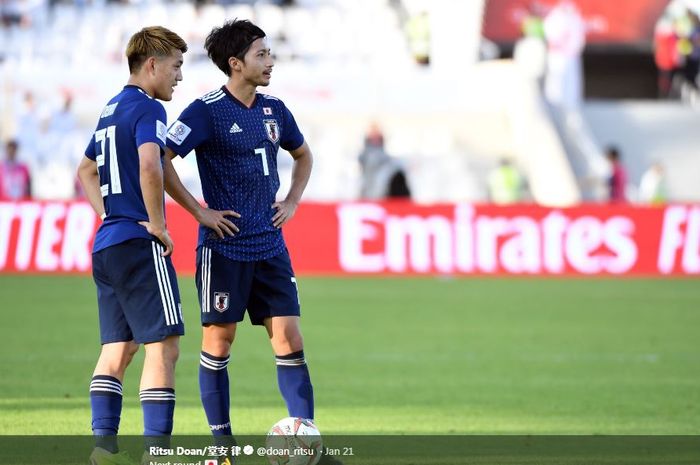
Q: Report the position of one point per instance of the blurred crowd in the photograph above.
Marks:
(39, 154)
(677, 53)
(39, 160)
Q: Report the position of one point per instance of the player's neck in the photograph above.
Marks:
(243, 91)
(141, 83)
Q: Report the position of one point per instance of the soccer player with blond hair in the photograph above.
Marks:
(137, 291)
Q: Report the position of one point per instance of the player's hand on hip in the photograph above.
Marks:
(217, 221)
(285, 211)
(162, 234)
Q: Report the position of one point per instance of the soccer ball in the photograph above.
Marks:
(294, 441)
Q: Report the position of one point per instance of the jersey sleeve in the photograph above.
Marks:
(90, 149)
(150, 124)
(291, 138)
(191, 129)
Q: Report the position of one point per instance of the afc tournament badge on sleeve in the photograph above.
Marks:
(178, 132)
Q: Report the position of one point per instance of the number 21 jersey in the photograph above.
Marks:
(130, 119)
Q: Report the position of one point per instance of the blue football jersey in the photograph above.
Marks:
(236, 149)
(130, 119)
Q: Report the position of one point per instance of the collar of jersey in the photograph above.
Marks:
(233, 97)
(133, 86)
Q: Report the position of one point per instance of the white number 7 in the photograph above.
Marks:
(263, 154)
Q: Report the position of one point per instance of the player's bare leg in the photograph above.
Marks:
(213, 376)
(159, 363)
(285, 334)
(218, 338)
(114, 358)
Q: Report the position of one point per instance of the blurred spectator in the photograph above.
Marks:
(617, 182)
(63, 120)
(418, 34)
(15, 182)
(28, 130)
(506, 185)
(692, 60)
(11, 13)
(652, 187)
(382, 175)
(533, 23)
(56, 151)
(530, 52)
(565, 32)
(666, 56)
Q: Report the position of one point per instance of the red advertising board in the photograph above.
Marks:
(609, 21)
(402, 238)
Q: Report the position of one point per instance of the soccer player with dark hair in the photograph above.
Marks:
(137, 293)
(236, 133)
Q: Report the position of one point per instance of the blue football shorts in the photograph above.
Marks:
(227, 288)
(137, 293)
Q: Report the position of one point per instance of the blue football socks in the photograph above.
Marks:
(295, 384)
(214, 391)
(158, 405)
(106, 405)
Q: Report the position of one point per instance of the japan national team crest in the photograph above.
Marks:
(221, 301)
(272, 130)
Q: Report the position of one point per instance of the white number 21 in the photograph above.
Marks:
(263, 154)
(102, 137)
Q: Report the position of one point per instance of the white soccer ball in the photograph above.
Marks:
(294, 441)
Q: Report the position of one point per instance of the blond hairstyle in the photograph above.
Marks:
(152, 41)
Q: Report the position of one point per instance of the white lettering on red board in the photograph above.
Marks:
(680, 234)
(52, 236)
(468, 242)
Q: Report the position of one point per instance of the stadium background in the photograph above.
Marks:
(464, 317)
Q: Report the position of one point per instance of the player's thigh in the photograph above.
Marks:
(114, 327)
(223, 287)
(274, 290)
(148, 291)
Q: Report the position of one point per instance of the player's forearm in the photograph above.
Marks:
(152, 190)
(177, 190)
(301, 172)
(90, 181)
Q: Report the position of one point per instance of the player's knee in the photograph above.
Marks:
(115, 357)
(218, 347)
(217, 340)
(171, 349)
(287, 342)
(167, 350)
(131, 350)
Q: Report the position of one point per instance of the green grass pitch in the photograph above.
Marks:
(393, 356)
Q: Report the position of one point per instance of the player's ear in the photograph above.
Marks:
(150, 64)
(234, 64)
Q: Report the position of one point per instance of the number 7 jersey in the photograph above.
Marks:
(236, 148)
(130, 119)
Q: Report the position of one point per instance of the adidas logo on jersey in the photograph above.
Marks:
(235, 129)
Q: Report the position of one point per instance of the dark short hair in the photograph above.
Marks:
(613, 152)
(233, 39)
